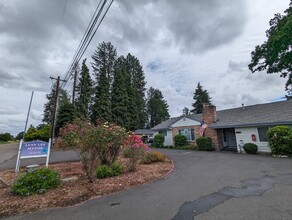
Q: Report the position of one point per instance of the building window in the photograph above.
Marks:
(263, 133)
(163, 132)
(188, 132)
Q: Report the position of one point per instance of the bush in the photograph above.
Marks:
(158, 140)
(153, 156)
(36, 182)
(204, 143)
(134, 150)
(127, 152)
(5, 137)
(104, 171)
(42, 133)
(180, 140)
(117, 169)
(95, 144)
(280, 140)
(250, 148)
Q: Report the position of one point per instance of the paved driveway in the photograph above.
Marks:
(203, 185)
(8, 151)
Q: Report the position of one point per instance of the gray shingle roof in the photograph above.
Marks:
(255, 115)
(143, 131)
(167, 124)
(275, 113)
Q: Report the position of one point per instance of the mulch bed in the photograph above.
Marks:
(77, 189)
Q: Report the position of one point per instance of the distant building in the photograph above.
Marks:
(231, 127)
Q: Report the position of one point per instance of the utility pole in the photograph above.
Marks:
(55, 108)
(74, 86)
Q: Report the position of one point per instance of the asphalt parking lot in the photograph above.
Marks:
(203, 185)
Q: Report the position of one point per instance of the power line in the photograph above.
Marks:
(60, 30)
(87, 37)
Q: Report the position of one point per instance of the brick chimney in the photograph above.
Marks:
(209, 113)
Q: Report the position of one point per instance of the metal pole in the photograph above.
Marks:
(55, 111)
(74, 86)
(27, 115)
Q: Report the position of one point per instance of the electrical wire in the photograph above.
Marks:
(87, 38)
(60, 30)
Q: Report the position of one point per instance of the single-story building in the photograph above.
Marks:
(230, 128)
(145, 134)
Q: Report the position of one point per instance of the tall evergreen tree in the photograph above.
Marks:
(157, 107)
(66, 114)
(200, 96)
(49, 105)
(132, 114)
(124, 107)
(84, 91)
(119, 93)
(103, 65)
(134, 68)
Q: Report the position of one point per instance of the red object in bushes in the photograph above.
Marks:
(254, 137)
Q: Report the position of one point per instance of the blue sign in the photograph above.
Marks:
(34, 149)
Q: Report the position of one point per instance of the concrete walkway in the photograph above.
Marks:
(203, 185)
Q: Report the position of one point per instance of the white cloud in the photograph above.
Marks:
(179, 43)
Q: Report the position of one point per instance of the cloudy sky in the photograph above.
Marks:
(179, 43)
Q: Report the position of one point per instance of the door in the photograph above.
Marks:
(229, 139)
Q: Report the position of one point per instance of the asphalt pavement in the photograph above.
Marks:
(203, 185)
(8, 157)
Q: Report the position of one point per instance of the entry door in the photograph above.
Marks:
(231, 139)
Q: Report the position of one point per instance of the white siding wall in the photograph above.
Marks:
(167, 138)
(185, 122)
(244, 134)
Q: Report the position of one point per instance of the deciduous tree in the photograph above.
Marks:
(275, 54)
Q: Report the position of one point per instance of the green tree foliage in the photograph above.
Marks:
(84, 91)
(185, 111)
(280, 140)
(49, 106)
(104, 58)
(157, 107)
(200, 96)
(4, 137)
(42, 133)
(119, 93)
(19, 136)
(124, 96)
(66, 114)
(136, 72)
(275, 54)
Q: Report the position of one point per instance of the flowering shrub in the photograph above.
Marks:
(95, 144)
(153, 156)
(36, 182)
(134, 150)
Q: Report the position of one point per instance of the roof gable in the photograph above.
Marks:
(185, 121)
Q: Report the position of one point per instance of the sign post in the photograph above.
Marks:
(33, 149)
